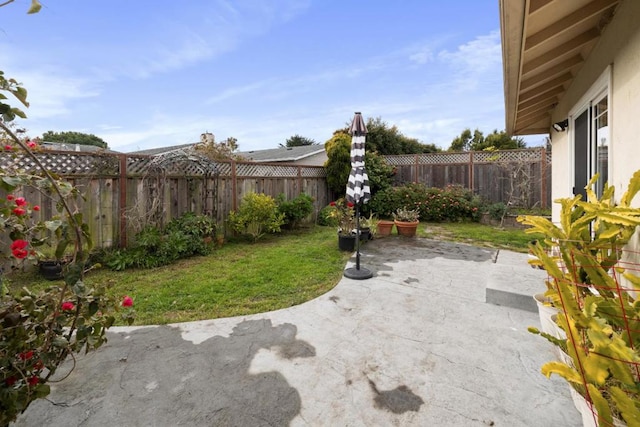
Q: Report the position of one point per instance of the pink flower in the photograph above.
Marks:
(8, 147)
(67, 306)
(127, 301)
(32, 144)
(36, 208)
(26, 355)
(20, 201)
(19, 211)
(34, 380)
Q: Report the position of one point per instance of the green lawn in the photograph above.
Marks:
(245, 278)
(478, 234)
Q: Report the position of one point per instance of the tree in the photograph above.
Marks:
(338, 164)
(387, 140)
(501, 141)
(298, 141)
(224, 150)
(467, 141)
(73, 138)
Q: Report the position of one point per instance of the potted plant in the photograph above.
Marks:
(344, 215)
(592, 280)
(368, 227)
(406, 221)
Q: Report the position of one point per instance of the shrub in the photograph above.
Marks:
(186, 236)
(326, 217)
(497, 210)
(296, 210)
(453, 203)
(257, 215)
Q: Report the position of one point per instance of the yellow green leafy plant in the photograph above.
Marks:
(601, 317)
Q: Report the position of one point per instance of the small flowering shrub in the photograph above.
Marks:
(343, 215)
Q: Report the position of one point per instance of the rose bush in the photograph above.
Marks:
(38, 331)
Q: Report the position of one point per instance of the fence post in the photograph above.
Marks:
(123, 200)
(415, 176)
(543, 177)
(299, 180)
(471, 171)
(234, 185)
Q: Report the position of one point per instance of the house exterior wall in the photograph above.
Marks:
(619, 48)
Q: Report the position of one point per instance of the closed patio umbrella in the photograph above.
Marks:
(358, 191)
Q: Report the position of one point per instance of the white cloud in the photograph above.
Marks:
(479, 55)
(422, 57)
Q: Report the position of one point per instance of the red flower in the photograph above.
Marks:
(11, 197)
(19, 211)
(32, 144)
(19, 244)
(18, 248)
(67, 306)
(350, 204)
(20, 201)
(8, 147)
(26, 355)
(34, 380)
(332, 204)
(10, 381)
(38, 365)
(127, 301)
(36, 208)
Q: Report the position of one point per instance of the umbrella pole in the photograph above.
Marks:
(357, 236)
(357, 272)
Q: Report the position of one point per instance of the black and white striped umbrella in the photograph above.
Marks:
(358, 190)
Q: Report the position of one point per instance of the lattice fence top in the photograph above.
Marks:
(533, 155)
(268, 170)
(62, 163)
(400, 160)
(527, 155)
(444, 158)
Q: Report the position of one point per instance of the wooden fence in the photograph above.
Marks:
(519, 177)
(122, 192)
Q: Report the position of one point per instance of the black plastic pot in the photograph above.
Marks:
(347, 242)
(50, 270)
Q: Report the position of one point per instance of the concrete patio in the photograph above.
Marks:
(416, 345)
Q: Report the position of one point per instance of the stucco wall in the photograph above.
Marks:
(620, 48)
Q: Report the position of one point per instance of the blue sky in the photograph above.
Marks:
(144, 74)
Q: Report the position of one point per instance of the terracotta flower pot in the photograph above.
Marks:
(407, 229)
(384, 228)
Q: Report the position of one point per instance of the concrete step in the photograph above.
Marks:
(512, 282)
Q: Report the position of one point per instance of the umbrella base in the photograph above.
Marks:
(358, 274)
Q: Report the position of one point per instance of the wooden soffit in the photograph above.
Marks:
(544, 45)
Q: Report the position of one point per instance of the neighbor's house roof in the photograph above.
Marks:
(544, 45)
(282, 154)
(162, 150)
